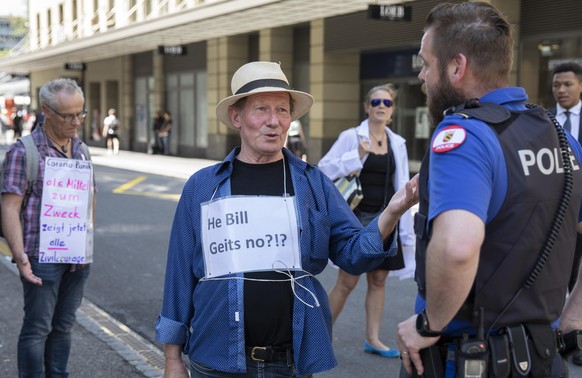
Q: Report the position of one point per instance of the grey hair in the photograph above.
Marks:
(49, 92)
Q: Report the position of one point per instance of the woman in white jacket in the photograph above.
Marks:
(380, 157)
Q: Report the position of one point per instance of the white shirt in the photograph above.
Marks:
(343, 158)
(574, 118)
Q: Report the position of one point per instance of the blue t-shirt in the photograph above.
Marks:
(480, 162)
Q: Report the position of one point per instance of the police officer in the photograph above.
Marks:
(494, 177)
(567, 89)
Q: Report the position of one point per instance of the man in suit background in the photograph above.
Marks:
(567, 89)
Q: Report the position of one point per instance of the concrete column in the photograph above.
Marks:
(276, 45)
(102, 12)
(126, 113)
(155, 11)
(224, 56)
(121, 13)
(88, 12)
(159, 81)
(335, 85)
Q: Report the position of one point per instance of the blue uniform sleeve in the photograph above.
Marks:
(472, 176)
(172, 326)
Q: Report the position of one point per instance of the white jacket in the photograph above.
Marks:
(343, 158)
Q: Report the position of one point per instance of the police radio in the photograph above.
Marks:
(472, 354)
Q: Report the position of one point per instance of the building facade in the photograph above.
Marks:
(14, 89)
(140, 56)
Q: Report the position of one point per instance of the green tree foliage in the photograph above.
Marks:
(19, 25)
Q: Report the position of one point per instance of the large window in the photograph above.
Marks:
(143, 137)
(410, 114)
(539, 56)
(186, 101)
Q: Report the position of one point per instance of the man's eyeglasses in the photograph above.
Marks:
(70, 117)
(377, 101)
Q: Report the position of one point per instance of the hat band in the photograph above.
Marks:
(262, 83)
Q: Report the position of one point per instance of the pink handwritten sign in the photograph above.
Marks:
(66, 225)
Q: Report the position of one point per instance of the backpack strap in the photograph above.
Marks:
(86, 152)
(31, 160)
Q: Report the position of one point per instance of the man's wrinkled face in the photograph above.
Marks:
(263, 123)
(57, 118)
(566, 88)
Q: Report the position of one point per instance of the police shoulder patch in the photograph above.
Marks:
(449, 138)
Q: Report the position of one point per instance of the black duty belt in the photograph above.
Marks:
(268, 354)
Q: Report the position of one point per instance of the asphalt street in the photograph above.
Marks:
(103, 347)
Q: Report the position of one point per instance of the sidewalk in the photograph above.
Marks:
(153, 164)
(102, 348)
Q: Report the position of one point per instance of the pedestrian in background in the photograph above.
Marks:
(567, 89)
(296, 142)
(38, 119)
(52, 292)
(487, 208)
(164, 133)
(379, 156)
(111, 132)
(17, 122)
(266, 318)
(158, 123)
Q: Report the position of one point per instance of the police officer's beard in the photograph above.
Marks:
(440, 98)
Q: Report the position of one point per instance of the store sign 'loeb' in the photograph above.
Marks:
(172, 50)
(394, 12)
(75, 66)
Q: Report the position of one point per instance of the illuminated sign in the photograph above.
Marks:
(393, 12)
(75, 66)
(172, 50)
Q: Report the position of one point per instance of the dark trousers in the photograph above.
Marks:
(576, 264)
(559, 369)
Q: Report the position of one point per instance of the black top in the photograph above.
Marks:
(376, 178)
(268, 305)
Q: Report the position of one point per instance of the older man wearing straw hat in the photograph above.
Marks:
(249, 236)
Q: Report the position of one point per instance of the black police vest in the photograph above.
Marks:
(515, 237)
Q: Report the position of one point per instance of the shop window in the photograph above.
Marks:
(539, 56)
(186, 101)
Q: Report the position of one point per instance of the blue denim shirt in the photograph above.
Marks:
(207, 317)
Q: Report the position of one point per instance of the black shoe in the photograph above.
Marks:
(577, 358)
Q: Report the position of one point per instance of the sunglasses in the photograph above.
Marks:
(376, 102)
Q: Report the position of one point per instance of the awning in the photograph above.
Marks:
(15, 88)
(213, 19)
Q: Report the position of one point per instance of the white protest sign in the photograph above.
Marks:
(66, 228)
(249, 233)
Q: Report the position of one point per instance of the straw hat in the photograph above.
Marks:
(261, 77)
